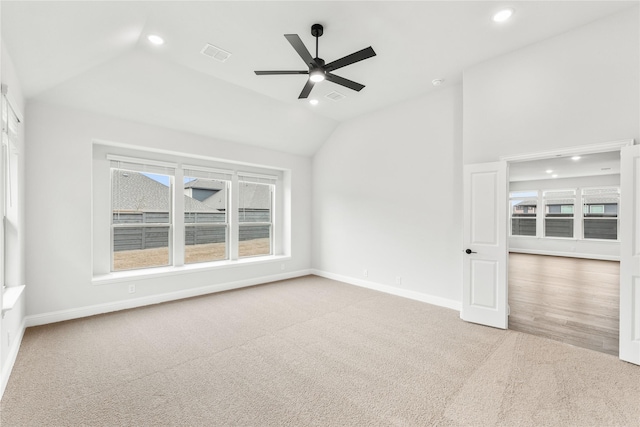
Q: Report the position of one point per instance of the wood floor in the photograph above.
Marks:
(572, 300)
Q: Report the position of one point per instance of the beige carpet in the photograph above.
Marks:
(308, 352)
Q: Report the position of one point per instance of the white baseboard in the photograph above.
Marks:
(11, 358)
(76, 313)
(405, 293)
(566, 254)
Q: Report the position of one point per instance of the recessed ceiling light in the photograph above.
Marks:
(575, 158)
(313, 101)
(548, 171)
(554, 175)
(157, 40)
(437, 82)
(502, 15)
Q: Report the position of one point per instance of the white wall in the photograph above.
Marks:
(59, 213)
(574, 89)
(12, 324)
(597, 249)
(387, 198)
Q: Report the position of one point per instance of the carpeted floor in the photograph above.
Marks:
(308, 352)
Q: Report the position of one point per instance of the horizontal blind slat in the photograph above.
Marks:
(256, 178)
(207, 173)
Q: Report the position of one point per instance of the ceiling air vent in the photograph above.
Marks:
(335, 96)
(215, 52)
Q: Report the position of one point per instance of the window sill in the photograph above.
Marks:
(148, 273)
(10, 297)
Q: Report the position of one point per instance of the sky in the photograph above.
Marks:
(163, 179)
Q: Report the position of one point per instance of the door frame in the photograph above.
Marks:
(564, 152)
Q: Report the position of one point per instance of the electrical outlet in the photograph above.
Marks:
(282, 266)
(398, 280)
(365, 273)
(132, 289)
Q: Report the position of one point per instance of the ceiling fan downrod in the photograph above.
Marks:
(316, 31)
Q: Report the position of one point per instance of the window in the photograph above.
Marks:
(141, 212)
(559, 213)
(166, 210)
(600, 212)
(255, 205)
(206, 224)
(524, 207)
(9, 249)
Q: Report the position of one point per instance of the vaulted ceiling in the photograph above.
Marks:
(95, 55)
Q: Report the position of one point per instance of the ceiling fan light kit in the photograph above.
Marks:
(318, 70)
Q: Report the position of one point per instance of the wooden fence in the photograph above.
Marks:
(196, 232)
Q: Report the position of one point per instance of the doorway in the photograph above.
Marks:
(563, 264)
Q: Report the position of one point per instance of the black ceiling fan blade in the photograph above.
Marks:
(351, 59)
(275, 73)
(344, 82)
(306, 90)
(297, 44)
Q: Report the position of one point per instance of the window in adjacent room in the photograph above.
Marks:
(600, 212)
(524, 208)
(559, 213)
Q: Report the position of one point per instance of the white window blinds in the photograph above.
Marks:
(207, 173)
(257, 178)
(141, 165)
(605, 195)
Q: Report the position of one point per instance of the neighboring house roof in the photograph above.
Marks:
(254, 196)
(205, 184)
(527, 203)
(217, 200)
(136, 192)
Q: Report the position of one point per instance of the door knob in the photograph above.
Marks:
(469, 251)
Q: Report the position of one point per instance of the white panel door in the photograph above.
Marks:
(630, 254)
(484, 293)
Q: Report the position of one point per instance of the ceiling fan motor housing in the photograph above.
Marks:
(317, 30)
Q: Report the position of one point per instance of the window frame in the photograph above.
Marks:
(226, 224)
(523, 195)
(280, 234)
(10, 189)
(270, 224)
(563, 200)
(144, 225)
(604, 217)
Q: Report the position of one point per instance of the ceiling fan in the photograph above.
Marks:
(318, 70)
